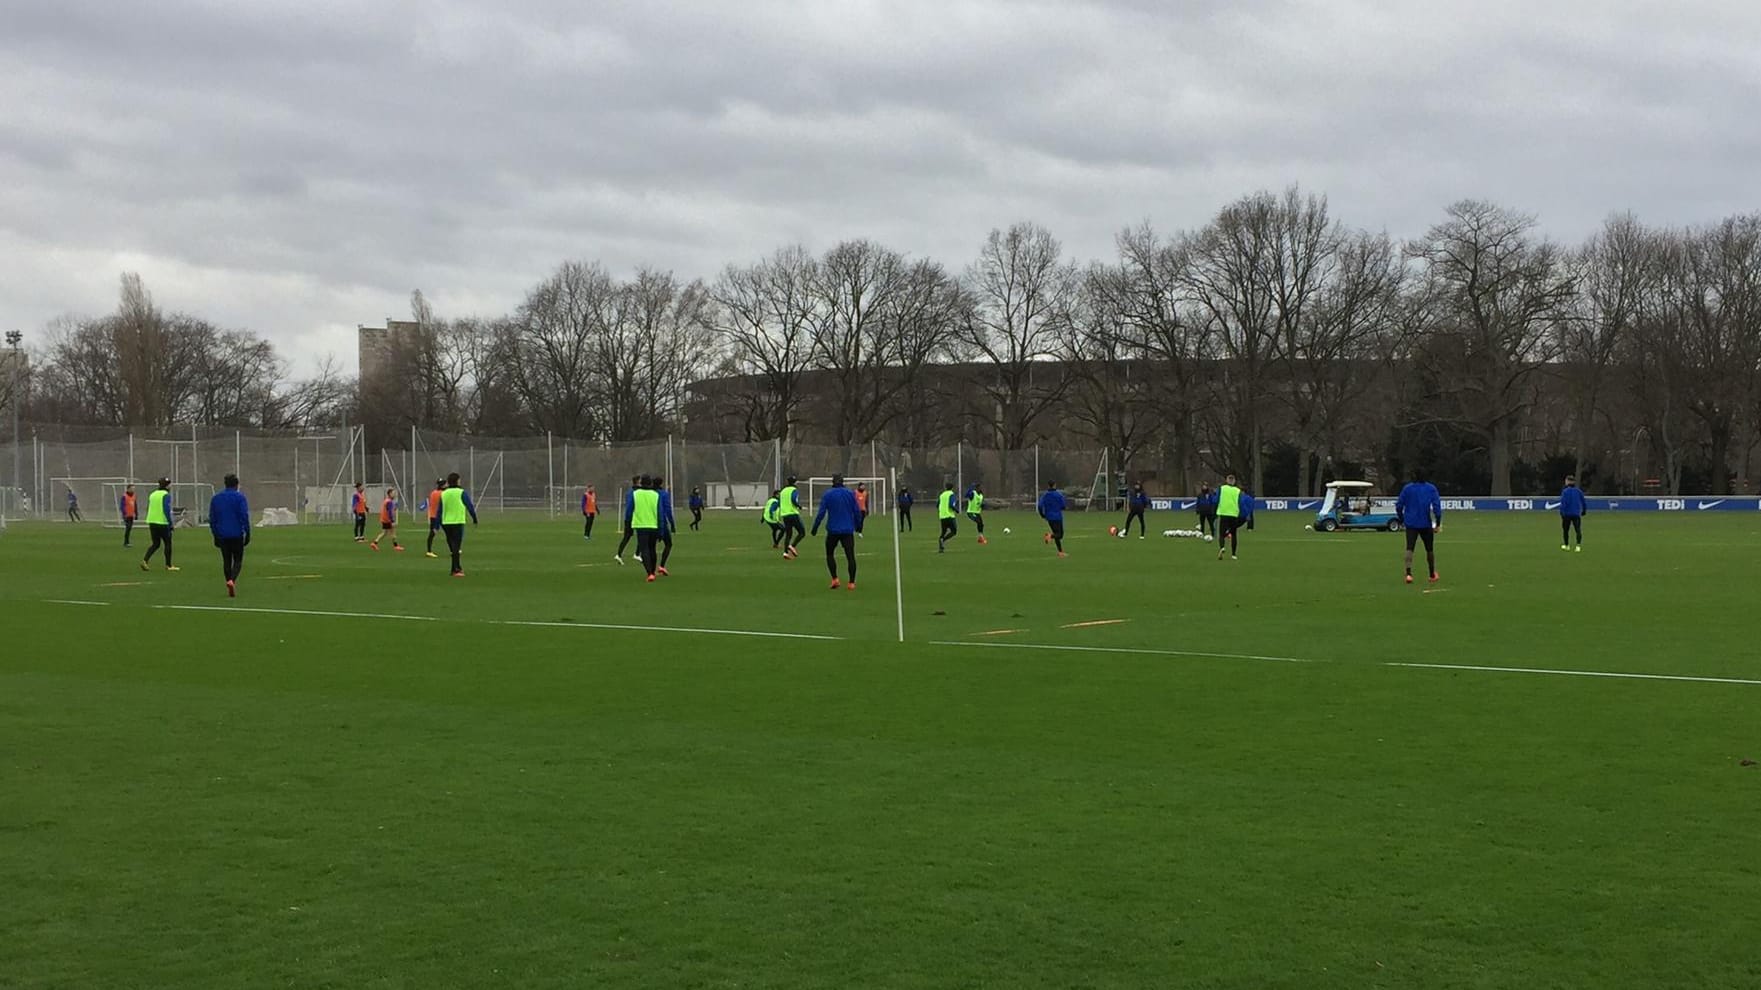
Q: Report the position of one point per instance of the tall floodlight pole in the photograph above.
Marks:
(13, 339)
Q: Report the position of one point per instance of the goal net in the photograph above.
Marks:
(97, 504)
(189, 502)
(880, 494)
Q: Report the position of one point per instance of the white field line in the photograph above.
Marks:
(665, 629)
(621, 627)
(1126, 650)
(1578, 673)
(296, 611)
(70, 601)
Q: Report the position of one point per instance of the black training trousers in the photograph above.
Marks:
(666, 541)
(793, 531)
(645, 540)
(832, 542)
(904, 518)
(161, 537)
(950, 529)
(1567, 524)
(232, 555)
(455, 542)
(1142, 526)
(128, 529)
(1057, 528)
(696, 518)
(1230, 525)
(360, 527)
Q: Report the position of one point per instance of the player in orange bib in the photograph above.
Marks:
(589, 512)
(358, 507)
(434, 515)
(861, 507)
(388, 521)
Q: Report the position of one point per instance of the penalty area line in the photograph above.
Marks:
(70, 601)
(1619, 675)
(1129, 651)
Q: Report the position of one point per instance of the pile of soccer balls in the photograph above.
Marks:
(1183, 534)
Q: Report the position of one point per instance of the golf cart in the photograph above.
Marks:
(1352, 505)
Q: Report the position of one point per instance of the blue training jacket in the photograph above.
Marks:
(837, 509)
(1051, 505)
(229, 515)
(667, 525)
(1419, 506)
(1571, 502)
(1140, 500)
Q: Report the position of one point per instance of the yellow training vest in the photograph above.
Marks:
(945, 506)
(159, 508)
(1229, 501)
(452, 507)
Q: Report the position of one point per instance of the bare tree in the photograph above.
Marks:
(1498, 295)
(1022, 292)
(554, 336)
(1721, 308)
(655, 343)
(1150, 285)
(768, 316)
(885, 318)
(1612, 271)
(1238, 281)
(1115, 378)
(1330, 342)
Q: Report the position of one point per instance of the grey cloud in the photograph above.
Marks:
(299, 169)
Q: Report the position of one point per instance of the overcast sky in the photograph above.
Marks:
(299, 172)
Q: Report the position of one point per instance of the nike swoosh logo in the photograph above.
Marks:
(1552, 505)
(1708, 505)
(1187, 505)
(1307, 505)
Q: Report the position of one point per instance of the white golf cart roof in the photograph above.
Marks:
(1350, 484)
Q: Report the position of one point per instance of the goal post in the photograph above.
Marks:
(189, 501)
(880, 493)
(97, 499)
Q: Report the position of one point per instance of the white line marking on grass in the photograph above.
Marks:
(1578, 673)
(999, 632)
(70, 601)
(296, 611)
(666, 629)
(1094, 622)
(120, 584)
(1128, 650)
(290, 577)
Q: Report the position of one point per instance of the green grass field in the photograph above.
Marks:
(441, 797)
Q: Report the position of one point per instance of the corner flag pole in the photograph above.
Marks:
(898, 582)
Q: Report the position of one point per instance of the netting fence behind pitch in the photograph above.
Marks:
(311, 472)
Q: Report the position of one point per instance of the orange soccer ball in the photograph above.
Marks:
(1112, 531)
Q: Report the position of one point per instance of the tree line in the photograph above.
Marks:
(1273, 337)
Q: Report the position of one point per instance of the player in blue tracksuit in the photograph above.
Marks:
(1136, 505)
(668, 525)
(842, 517)
(905, 501)
(695, 504)
(1206, 508)
(629, 507)
(229, 520)
(1571, 514)
(1421, 511)
(1051, 509)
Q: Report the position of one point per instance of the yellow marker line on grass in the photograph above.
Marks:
(1094, 622)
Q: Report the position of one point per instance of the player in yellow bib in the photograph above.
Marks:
(789, 514)
(948, 515)
(159, 513)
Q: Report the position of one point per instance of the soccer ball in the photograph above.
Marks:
(1005, 531)
(1208, 537)
(1112, 531)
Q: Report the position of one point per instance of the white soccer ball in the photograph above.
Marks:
(1208, 537)
(1005, 531)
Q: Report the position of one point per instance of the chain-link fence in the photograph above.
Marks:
(311, 473)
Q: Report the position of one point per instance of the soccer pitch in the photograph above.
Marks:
(1135, 767)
